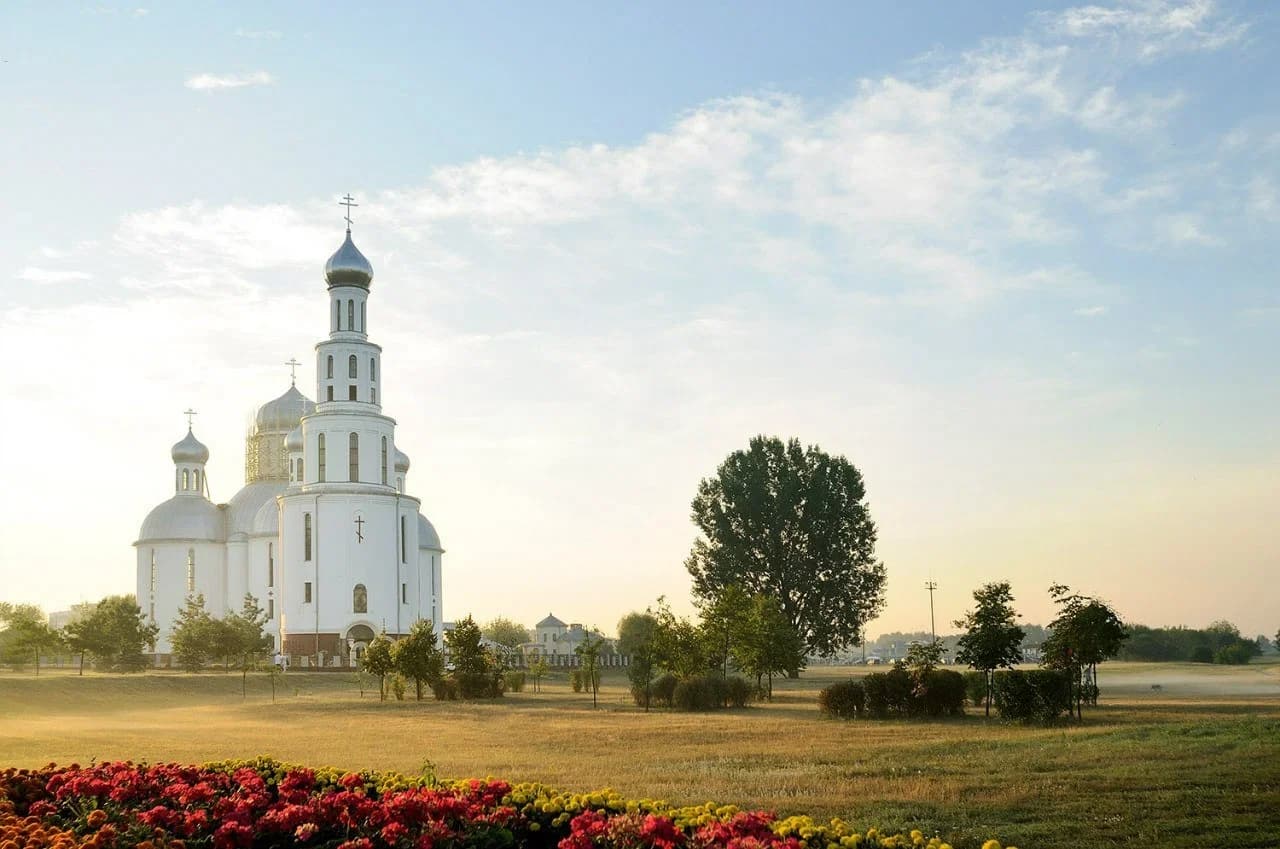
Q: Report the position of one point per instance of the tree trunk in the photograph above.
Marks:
(82, 664)
(382, 688)
(990, 680)
(417, 682)
(37, 663)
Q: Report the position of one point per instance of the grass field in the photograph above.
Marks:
(1195, 763)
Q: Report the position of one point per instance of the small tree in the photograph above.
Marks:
(510, 635)
(247, 638)
(678, 643)
(377, 659)
(538, 670)
(25, 634)
(725, 619)
(637, 635)
(1085, 633)
(588, 651)
(992, 639)
(467, 653)
(417, 656)
(769, 644)
(192, 637)
(114, 632)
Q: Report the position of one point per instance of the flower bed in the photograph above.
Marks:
(263, 803)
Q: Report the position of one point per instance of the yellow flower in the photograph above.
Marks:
(991, 844)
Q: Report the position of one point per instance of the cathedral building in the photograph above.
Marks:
(324, 533)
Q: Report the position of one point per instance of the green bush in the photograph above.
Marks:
(478, 685)
(1236, 654)
(514, 682)
(445, 690)
(397, 685)
(1202, 654)
(693, 694)
(739, 691)
(941, 693)
(888, 693)
(975, 687)
(664, 689)
(1035, 695)
(576, 680)
(844, 700)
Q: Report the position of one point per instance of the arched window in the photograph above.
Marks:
(300, 478)
(351, 315)
(191, 571)
(186, 480)
(337, 314)
(362, 325)
(271, 564)
(328, 372)
(353, 457)
(384, 461)
(320, 467)
(306, 536)
(352, 369)
(329, 392)
(400, 484)
(373, 369)
(404, 557)
(373, 395)
(195, 480)
(359, 599)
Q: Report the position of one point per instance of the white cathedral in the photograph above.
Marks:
(323, 534)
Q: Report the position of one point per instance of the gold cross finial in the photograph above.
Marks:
(190, 414)
(348, 202)
(293, 371)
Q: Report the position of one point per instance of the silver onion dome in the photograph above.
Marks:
(284, 413)
(190, 450)
(184, 519)
(293, 442)
(348, 267)
(402, 461)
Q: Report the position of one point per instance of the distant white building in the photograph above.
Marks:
(557, 643)
(324, 533)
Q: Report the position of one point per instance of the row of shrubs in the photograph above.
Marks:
(701, 692)
(469, 685)
(1040, 695)
(939, 692)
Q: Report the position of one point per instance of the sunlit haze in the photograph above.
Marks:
(1019, 267)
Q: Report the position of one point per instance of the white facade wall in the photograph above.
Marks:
(171, 587)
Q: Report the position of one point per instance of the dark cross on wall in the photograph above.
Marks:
(359, 528)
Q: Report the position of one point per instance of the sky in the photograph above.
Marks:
(1017, 263)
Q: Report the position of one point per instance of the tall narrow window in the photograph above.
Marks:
(373, 369)
(271, 608)
(300, 470)
(351, 393)
(153, 570)
(351, 315)
(195, 480)
(404, 556)
(353, 370)
(153, 613)
(306, 536)
(191, 570)
(337, 314)
(404, 593)
(384, 461)
(353, 457)
(363, 329)
(306, 592)
(186, 480)
(320, 448)
(359, 599)
(328, 371)
(373, 395)
(271, 564)
(329, 392)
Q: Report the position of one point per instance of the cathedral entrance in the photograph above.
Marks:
(358, 639)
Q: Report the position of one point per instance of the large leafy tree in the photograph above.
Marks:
(791, 522)
(1086, 632)
(992, 638)
(114, 632)
(417, 655)
(637, 634)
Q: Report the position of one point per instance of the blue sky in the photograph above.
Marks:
(1018, 263)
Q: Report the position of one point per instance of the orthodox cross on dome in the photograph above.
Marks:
(293, 370)
(348, 202)
(190, 414)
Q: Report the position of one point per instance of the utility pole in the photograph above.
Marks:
(931, 586)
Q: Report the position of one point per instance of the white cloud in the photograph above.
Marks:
(1185, 228)
(1091, 312)
(34, 274)
(258, 34)
(1152, 27)
(214, 82)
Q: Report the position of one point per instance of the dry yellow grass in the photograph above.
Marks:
(1164, 765)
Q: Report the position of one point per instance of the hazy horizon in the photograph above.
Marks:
(1018, 267)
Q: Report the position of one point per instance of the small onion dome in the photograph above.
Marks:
(184, 519)
(190, 450)
(348, 267)
(427, 536)
(402, 461)
(284, 413)
(293, 442)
